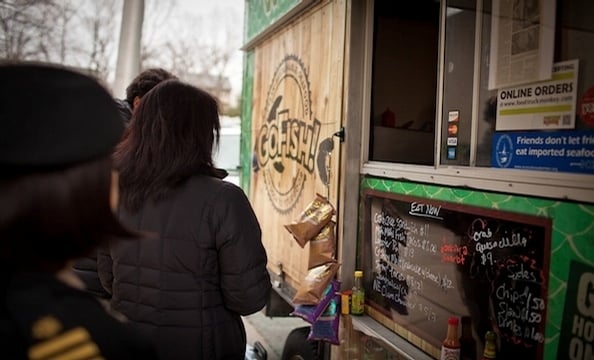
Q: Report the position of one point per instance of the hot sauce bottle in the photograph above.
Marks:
(450, 348)
(467, 341)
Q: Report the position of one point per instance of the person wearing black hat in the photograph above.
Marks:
(57, 131)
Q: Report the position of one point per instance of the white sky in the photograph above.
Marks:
(216, 18)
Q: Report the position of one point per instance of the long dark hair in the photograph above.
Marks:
(50, 217)
(171, 137)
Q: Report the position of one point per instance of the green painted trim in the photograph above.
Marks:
(261, 14)
(572, 234)
(245, 144)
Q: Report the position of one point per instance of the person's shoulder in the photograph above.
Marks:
(10, 334)
(58, 318)
(86, 329)
(206, 181)
(215, 187)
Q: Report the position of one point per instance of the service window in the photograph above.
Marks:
(506, 84)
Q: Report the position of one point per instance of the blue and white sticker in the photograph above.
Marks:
(504, 149)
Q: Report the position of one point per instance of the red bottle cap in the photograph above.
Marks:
(453, 320)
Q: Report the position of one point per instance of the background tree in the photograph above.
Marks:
(25, 26)
(157, 15)
(198, 49)
(84, 34)
(71, 32)
(100, 24)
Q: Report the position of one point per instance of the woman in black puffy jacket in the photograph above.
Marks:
(202, 264)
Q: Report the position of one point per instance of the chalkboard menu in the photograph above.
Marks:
(427, 260)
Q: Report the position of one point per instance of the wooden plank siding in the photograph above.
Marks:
(296, 108)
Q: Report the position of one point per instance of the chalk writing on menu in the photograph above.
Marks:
(430, 259)
(517, 302)
(491, 243)
(399, 278)
(517, 282)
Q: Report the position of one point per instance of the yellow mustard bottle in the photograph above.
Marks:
(358, 295)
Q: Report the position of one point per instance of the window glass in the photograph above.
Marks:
(539, 121)
(487, 98)
(404, 83)
(552, 130)
(458, 82)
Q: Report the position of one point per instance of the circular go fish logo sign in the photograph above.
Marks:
(287, 141)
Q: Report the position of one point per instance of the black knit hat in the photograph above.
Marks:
(53, 117)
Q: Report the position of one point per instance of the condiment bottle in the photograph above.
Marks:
(490, 351)
(345, 301)
(358, 295)
(467, 341)
(450, 347)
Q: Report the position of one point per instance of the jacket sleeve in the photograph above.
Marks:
(245, 282)
(104, 268)
(86, 269)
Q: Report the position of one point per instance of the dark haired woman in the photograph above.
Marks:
(188, 286)
(55, 192)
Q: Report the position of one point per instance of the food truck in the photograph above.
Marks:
(455, 142)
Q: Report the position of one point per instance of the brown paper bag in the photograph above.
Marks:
(315, 216)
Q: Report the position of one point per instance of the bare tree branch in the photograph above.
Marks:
(22, 25)
(100, 24)
(199, 48)
(84, 34)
